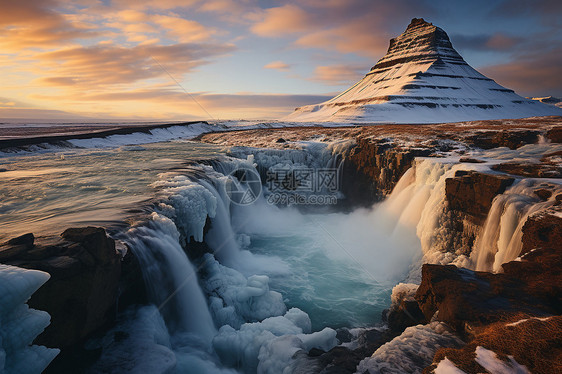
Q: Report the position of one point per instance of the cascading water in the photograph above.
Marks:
(500, 239)
(274, 275)
(170, 278)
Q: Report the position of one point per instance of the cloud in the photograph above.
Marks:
(483, 42)
(358, 26)
(339, 74)
(15, 109)
(548, 11)
(284, 20)
(141, 26)
(105, 65)
(531, 74)
(278, 65)
(35, 113)
(33, 23)
(265, 101)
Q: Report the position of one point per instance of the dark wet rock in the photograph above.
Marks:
(8, 252)
(88, 278)
(16, 247)
(471, 193)
(406, 314)
(543, 194)
(542, 170)
(281, 140)
(195, 249)
(342, 360)
(25, 240)
(132, 289)
(82, 292)
(343, 335)
(470, 160)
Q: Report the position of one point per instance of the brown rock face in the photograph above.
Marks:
(373, 168)
(512, 139)
(555, 134)
(472, 193)
(466, 298)
(542, 232)
(542, 170)
(421, 42)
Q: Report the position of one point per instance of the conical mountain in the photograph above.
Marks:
(423, 79)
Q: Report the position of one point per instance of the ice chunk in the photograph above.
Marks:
(19, 325)
(269, 346)
(402, 291)
(409, 352)
(236, 299)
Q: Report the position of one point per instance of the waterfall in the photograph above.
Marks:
(224, 300)
(415, 212)
(170, 278)
(419, 199)
(500, 239)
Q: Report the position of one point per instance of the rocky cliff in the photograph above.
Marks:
(88, 277)
(516, 313)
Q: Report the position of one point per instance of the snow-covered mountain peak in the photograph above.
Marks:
(423, 79)
(421, 42)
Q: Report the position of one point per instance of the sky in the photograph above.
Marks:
(245, 59)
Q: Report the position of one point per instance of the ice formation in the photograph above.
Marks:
(411, 350)
(422, 79)
(255, 330)
(20, 325)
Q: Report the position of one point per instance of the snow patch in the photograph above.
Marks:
(489, 360)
